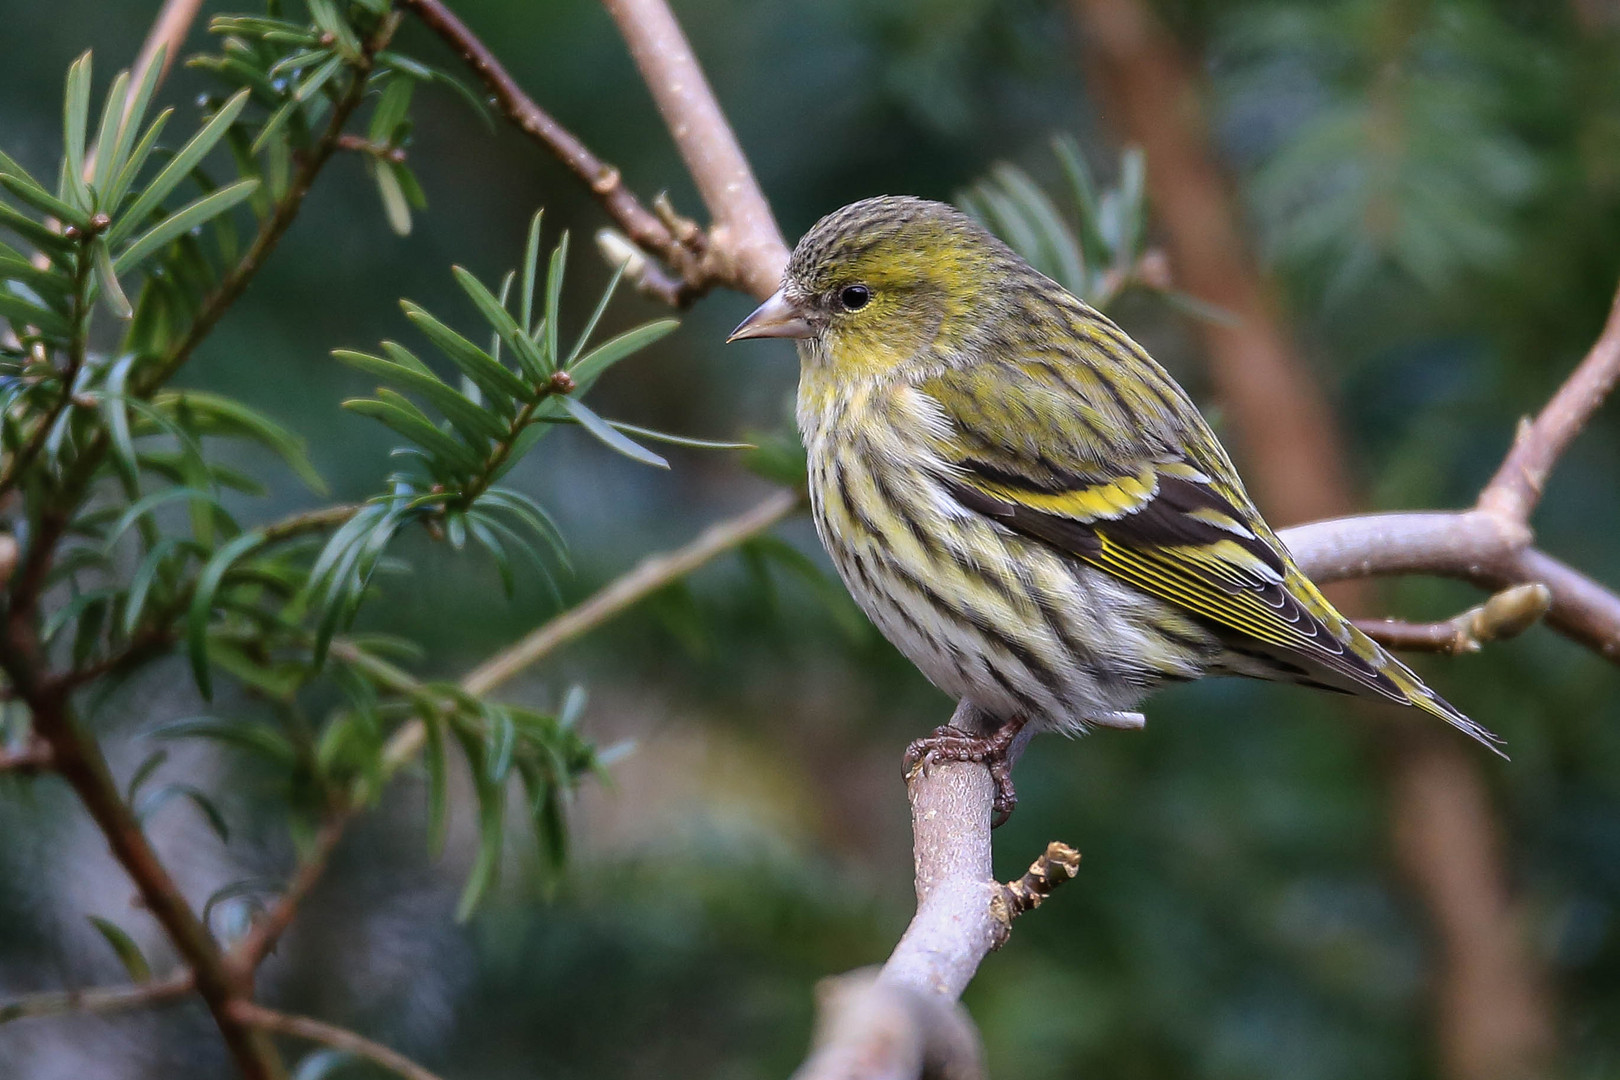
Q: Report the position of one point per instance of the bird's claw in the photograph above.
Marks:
(949, 743)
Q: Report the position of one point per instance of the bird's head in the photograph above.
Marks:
(878, 282)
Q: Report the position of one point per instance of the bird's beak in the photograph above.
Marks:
(776, 317)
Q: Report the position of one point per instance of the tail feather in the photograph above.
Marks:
(1364, 669)
(1420, 696)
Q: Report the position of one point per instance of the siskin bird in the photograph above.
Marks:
(1025, 503)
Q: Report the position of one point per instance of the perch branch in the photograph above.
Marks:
(318, 1031)
(893, 1025)
(868, 1028)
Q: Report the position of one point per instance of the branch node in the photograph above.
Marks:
(640, 269)
(1506, 614)
(607, 180)
(1059, 863)
(687, 232)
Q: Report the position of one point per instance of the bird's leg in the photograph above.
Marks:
(992, 750)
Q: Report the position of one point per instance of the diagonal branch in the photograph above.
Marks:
(643, 227)
(742, 250)
(1516, 488)
(904, 1022)
(168, 33)
(1468, 545)
(653, 573)
(745, 231)
(650, 575)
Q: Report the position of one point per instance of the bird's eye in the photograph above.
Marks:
(854, 297)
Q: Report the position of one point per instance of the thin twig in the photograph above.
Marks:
(743, 249)
(32, 757)
(1516, 487)
(604, 180)
(97, 999)
(650, 575)
(55, 519)
(1057, 864)
(269, 236)
(309, 521)
(1505, 615)
(19, 462)
(359, 144)
(319, 1031)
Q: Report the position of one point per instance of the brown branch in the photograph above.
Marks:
(1516, 488)
(100, 999)
(743, 249)
(1507, 614)
(318, 1031)
(744, 235)
(79, 761)
(1059, 863)
(235, 283)
(359, 144)
(643, 227)
(20, 460)
(56, 517)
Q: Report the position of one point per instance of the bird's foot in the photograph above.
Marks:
(950, 743)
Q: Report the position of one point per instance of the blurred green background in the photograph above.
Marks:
(1237, 913)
